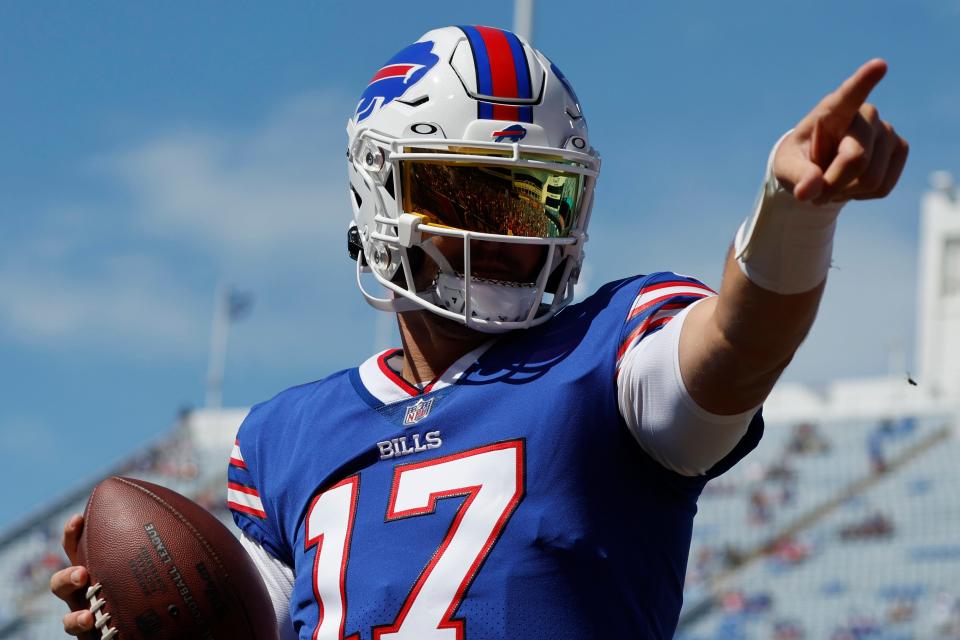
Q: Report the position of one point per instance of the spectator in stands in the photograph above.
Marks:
(806, 439)
(878, 463)
(902, 610)
(875, 525)
(759, 513)
(787, 630)
(946, 616)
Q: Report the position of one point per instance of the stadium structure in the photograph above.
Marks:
(844, 524)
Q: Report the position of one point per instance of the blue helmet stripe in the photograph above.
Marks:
(520, 66)
(481, 63)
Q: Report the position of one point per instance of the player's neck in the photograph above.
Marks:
(431, 344)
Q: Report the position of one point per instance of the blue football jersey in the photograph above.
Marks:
(507, 499)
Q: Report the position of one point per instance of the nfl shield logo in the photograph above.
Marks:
(417, 411)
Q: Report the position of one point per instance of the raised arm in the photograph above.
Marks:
(734, 346)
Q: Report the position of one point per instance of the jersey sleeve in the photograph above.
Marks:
(247, 504)
(661, 297)
(653, 400)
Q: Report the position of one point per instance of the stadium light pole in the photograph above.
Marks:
(229, 305)
(523, 19)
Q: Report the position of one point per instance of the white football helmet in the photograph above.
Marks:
(469, 133)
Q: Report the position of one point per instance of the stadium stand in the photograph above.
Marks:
(840, 531)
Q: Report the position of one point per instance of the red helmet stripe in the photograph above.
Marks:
(502, 67)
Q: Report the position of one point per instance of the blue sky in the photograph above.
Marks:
(149, 151)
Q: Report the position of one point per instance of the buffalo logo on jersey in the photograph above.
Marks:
(394, 79)
(513, 133)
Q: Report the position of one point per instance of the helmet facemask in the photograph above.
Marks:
(542, 192)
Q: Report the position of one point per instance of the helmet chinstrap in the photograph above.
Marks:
(482, 280)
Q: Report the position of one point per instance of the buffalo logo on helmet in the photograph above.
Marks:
(393, 79)
(513, 133)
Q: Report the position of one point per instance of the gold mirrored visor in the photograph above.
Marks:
(487, 198)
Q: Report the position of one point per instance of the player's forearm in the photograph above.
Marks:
(764, 327)
(737, 344)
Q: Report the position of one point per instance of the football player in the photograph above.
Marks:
(524, 467)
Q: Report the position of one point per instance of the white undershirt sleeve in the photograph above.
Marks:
(278, 578)
(669, 425)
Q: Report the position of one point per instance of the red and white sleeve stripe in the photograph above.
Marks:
(657, 293)
(245, 499)
(236, 458)
(663, 301)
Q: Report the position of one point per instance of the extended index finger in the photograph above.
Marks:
(842, 105)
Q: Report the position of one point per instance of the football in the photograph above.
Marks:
(161, 567)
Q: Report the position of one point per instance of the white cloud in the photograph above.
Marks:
(132, 303)
(869, 307)
(134, 270)
(242, 194)
(689, 234)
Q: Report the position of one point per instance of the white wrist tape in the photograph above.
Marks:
(785, 245)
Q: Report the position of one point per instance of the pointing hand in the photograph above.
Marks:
(842, 150)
